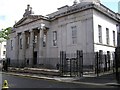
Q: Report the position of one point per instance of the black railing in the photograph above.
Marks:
(72, 64)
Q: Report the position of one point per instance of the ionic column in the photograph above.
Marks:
(31, 47)
(23, 47)
(41, 43)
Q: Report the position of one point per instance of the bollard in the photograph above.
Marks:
(5, 85)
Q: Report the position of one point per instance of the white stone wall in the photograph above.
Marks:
(105, 22)
(83, 22)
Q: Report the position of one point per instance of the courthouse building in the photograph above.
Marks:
(88, 26)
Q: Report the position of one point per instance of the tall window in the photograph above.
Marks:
(107, 36)
(27, 41)
(100, 33)
(54, 38)
(20, 43)
(74, 35)
(44, 40)
(35, 41)
(114, 38)
(4, 46)
(11, 44)
(4, 53)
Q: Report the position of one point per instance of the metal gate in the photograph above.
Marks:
(103, 62)
(71, 66)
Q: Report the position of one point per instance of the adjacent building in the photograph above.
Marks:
(119, 7)
(38, 40)
(3, 50)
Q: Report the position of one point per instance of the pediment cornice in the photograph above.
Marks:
(29, 19)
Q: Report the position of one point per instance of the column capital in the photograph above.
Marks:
(23, 32)
(18, 33)
(30, 30)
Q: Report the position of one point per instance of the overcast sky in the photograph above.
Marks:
(12, 10)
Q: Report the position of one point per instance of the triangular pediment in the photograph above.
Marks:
(26, 20)
(23, 21)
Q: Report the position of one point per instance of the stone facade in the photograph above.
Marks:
(36, 38)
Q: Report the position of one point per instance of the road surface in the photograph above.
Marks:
(26, 82)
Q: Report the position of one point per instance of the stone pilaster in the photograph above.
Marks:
(16, 49)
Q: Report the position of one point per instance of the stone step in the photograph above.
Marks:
(36, 71)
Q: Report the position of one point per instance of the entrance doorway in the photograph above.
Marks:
(35, 58)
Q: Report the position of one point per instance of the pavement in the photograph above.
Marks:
(107, 79)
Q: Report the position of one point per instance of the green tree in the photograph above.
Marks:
(4, 34)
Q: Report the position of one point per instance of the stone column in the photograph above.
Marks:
(40, 45)
(31, 48)
(23, 48)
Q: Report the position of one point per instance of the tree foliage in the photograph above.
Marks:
(4, 34)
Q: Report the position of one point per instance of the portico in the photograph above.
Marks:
(31, 45)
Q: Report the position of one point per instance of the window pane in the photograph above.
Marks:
(4, 52)
(107, 35)
(74, 35)
(100, 33)
(54, 38)
(44, 40)
(11, 45)
(20, 43)
(35, 39)
(28, 41)
(4, 46)
(114, 38)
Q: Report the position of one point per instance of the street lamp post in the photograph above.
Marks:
(117, 55)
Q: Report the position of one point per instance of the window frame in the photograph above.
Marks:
(114, 38)
(54, 38)
(74, 34)
(4, 53)
(4, 46)
(100, 33)
(11, 44)
(44, 40)
(107, 36)
(27, 41)
(20, 43)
